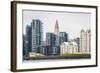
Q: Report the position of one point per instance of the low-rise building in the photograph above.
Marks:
(68, 48)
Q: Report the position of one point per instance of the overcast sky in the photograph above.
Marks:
(69, 22)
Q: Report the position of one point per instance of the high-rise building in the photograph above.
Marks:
(50, 39)
(63, 37)
(82, 41)
(51, 44)
(85, 41)
(37, 35)
(56, 32)
(88, 42)
(27, 39)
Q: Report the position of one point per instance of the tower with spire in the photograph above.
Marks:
(56, 29)
(56, 32)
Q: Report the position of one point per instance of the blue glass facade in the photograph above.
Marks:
(37, 35)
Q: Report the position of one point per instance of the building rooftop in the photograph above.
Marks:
(67, 43)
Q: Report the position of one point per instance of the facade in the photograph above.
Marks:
(47, 50)
(37, 35)
(85, 41)
(68, 48)
(50, 39)
(63, 37)
(51, 43)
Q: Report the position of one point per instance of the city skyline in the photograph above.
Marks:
(65, 21)
(56, 44)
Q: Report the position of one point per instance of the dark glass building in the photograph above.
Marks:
(24, 45)
(28, 39)
(50, 39)
(51, 42)
(37, 35)
(47, 50)
(63, 37)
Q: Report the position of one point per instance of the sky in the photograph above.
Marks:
(69, 22)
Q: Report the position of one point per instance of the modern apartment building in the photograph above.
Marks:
(37, 35)
(85, 41)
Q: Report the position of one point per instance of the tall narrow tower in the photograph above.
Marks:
(82, 41)
(88, 41)
(37, 35)
(85, 41)
(56, 30)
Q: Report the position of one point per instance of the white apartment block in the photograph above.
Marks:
(68, 48)
(85, 41)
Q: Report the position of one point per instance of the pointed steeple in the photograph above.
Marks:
(56, 29)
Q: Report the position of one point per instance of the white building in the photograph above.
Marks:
(68, 48)
(85, 41)
(82, 41)
(88, 37)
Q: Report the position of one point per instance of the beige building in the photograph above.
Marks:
(68, 48)
(85, 41)
(88, 42)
